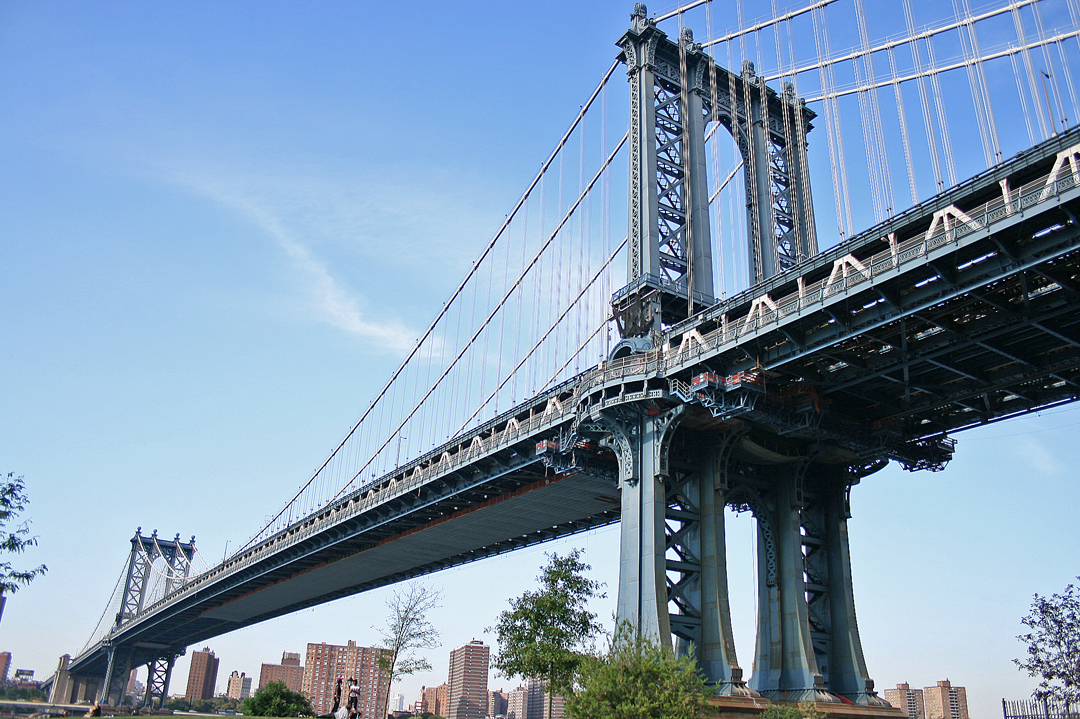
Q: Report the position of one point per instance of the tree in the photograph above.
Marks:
(407, 630)
(802, 710)
(13, 501)
(277, 700)
(638, 679)
(544, 633)
(1053, 645)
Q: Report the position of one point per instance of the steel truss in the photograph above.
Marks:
(676, 90)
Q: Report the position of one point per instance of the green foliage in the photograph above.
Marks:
(13, 501)
(1053, 645)
(638, 679)
(544, 633)
(12, 692)
(407, 629)
(205, 706)
(276, 700)
(802, 710)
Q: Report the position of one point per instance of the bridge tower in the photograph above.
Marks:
(670, 256)
(171, 561)
(680, 466)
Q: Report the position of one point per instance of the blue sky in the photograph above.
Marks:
(219, 221)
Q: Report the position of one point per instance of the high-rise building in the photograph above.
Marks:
(239, 686)
(496, 703)
(397, 703)
(289, 671)
(517, 703)
(945, 701)
(5, 666)
(468, 697)
(906, 699)
(325, 663)
(433, 699)
(540, 705)
(202, 675)
(135, 690)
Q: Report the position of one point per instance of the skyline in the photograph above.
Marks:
(207, 215)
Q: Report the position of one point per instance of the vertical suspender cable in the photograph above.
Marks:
(520, 303)
(1023, 100)
(880, 162)
(605, 226)
(980, 71)
(714, 100)
(845, 184)
(924, 101)
(800, 129)
(943, 123)
(831, 126)
(1018, 24)
(790, 143)
(966, 46)
(582, 230)
(903, 128)
(1049, 60)
(1068, 80)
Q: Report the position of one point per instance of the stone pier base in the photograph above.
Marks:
(752, 707)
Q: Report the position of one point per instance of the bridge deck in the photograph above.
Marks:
(968, 314)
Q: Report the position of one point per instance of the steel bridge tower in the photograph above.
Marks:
(680, 467)
(173, 558)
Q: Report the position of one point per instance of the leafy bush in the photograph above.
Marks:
(638, 679)
(277, 700)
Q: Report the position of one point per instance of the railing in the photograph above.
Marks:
(662, 283)
(1039, 709)
(765, 311)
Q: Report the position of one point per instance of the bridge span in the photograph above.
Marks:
(963, 310)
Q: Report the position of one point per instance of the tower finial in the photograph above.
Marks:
(639, 19)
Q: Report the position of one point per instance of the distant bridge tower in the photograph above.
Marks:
(679, 467)
(169, 561)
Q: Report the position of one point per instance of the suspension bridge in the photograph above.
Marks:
(735, 365)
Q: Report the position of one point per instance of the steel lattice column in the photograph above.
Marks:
(808, 646)
(159, 673)
(116, 676)
(640, 440)
(673, 570)
(670, 250)
(716, 644)
(785, 665)
(828, 571)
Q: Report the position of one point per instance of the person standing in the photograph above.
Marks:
(354, 698)
(337, 695)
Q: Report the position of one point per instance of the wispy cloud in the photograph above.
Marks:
(330, 300)
(1040, 458)
(334, 303)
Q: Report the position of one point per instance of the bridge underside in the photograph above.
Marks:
(462, 520)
